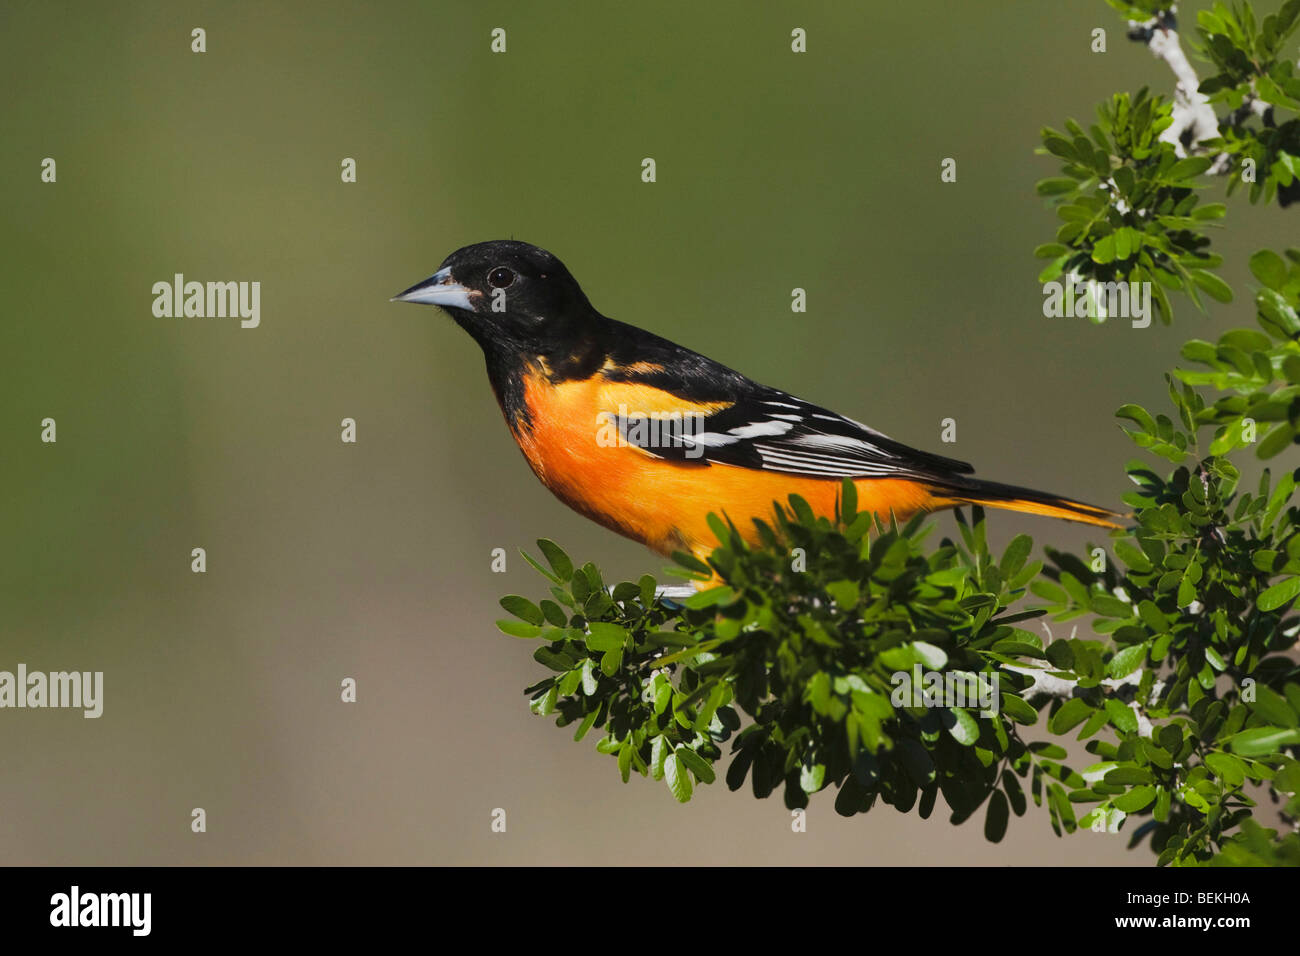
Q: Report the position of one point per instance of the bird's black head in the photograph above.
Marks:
(510, 296)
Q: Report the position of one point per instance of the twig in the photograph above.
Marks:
(1194, 119)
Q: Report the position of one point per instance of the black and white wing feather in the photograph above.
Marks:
(778, 432)
(757, 426)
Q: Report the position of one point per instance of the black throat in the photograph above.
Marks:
(511, 363)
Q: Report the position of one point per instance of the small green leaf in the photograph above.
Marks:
(679, 781)
(812, 777)
(1139, 798)
(1018, 709)
(1259, 741)
(1126, 776)
(519, 629)
(524, 609)
(1127, 661)
(1104, 251)
(1269, 268)
(1055, 187)
(1138, 414)
(1072, 713)
(696, 764)
(709, 598)
(604, 636)
(996, 817)
(1122, 717)
(1214, 287)
(1279, 594)
(1231, 770)
(1189, 167)
(558, 560)
(962, 726)
(1016, 554)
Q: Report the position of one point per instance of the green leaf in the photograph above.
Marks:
(659, 751)
(679, 781)
(1214, 287)
(1016, 554)
(590, 682)
(1278, 438)
(845, 594)
(541, 570)
(996, 817)
(812, 777)
(519, 629)
(1259, 741)
(710, 597)
(931, 656)
(696, 764)
(1279, 594)
(554, 614)
(556, 557)
(1122, 717)
(1189, 167)
(1055, 187)
(1127, 776)
(524, 609)
(1273, 707)
(1139, 798)
(1131, 555)
(1104, 251)
(1269, 268)
(689, 561)
(647, 588)
(963, 727)
(560, 663)
(1072, 713)
(1127, 661)
(1138, 414)
(1059, 146)
(1231, 770)
(1018, 709)
(604, 636)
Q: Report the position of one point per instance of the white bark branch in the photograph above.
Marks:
(1194, 120)
(1045, 684)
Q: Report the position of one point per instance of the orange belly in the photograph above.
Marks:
(664, 504)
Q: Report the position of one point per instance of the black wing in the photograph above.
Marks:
(760, 427)
(786, 434)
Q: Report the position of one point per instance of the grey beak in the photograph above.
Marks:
(439, 289)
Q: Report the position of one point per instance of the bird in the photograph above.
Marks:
(647, 437)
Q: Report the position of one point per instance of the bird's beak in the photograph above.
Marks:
(439, 289)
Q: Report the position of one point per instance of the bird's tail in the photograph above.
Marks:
(972, 491)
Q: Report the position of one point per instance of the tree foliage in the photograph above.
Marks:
(1126, 195)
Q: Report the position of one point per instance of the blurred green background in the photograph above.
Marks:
(372, 561)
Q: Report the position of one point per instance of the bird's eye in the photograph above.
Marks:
(500, 277)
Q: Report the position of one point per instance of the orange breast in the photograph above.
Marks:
(664, 504)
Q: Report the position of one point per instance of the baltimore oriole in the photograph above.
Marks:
(646, 437)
